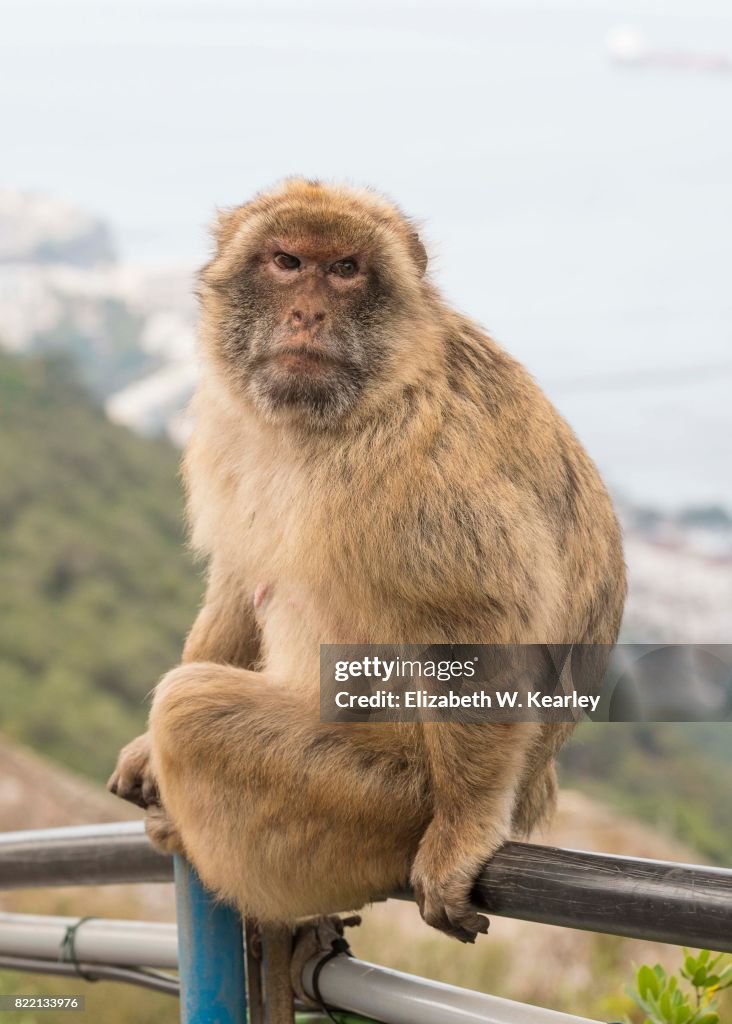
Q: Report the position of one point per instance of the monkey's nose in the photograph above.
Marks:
(306, 319)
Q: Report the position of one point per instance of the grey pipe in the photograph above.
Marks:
(81, 855)
(93, 972)
(96, 940)
(397, 998)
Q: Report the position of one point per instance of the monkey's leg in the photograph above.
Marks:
(536, 801)
(536, 795)
(283, 815)
(474, 773)
(225, 631)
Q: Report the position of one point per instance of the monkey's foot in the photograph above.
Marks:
(317, 936)
(446, 906)
(161, 831)
(132, 779)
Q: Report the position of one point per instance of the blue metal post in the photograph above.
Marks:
(210, 954)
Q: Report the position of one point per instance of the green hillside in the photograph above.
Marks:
(672, 775)
(97, 589)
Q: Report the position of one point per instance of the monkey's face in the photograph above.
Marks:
(309, 303)
(308, 330)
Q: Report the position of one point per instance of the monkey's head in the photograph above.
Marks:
(311, 300)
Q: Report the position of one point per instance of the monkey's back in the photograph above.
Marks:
(525, 446)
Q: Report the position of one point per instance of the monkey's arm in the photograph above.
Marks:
(225, 632)
(474, 770)
(225, 629)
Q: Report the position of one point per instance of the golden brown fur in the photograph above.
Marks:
(424, 490)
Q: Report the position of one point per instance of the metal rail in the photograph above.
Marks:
(210, 952)
(142, 978)
(398, 998)
(110, 948)
(101, 940)
(660, 900)
(81, 855)
(665, 901)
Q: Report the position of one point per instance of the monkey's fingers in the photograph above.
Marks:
(462, 917)
(136, 791)
(150, 791)
(132, 779)
(437, 918)
(455, 919)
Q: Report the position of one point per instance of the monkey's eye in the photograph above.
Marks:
(286, 262)
(345, 268)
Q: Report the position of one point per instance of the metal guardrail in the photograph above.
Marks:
(669, 902)
(661, 900)
(81, 855)
(398, 998)
(31, 941)
(210, 954)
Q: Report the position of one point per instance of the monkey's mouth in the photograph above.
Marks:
(305, 360)
(316, 380)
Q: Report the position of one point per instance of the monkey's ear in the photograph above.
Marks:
(225, 226)
(418, 251)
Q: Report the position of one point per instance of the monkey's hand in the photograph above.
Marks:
(442, 878)
(133, 779)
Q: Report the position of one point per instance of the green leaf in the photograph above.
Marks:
(725, 977)
(690, 966)
(648, 982)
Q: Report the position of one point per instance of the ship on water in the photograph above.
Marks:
(627, 46)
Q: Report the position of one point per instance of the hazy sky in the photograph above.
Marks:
(582, 211)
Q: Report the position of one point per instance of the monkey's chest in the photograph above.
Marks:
(335, 564)
(285, 554)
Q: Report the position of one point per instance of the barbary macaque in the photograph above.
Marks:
(367, 466)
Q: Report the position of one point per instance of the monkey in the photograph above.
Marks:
(367, 465)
